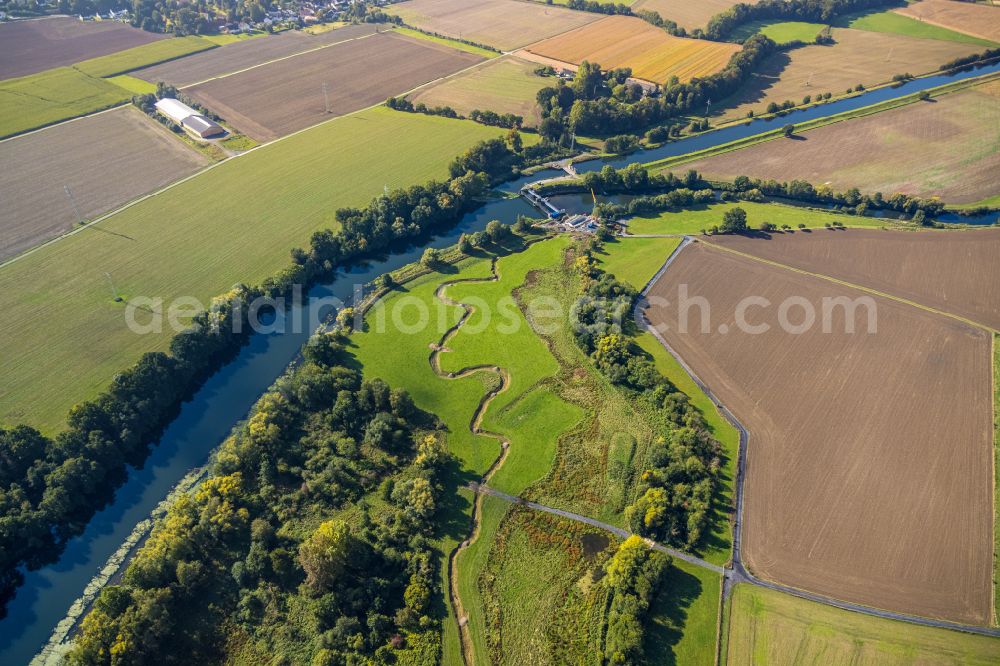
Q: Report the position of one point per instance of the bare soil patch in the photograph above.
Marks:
(947, 148)
(858, 56)
(106, 160)
(36, 45)
(247, 53)
(286, 96)
(651, 53)
(973, 19)
(502, 24)
(951, 271)
(869, 458)
(687, 14)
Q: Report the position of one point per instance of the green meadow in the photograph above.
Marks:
(781, 32)
(144, 56)
(685, 615)
(891, 22)
(234, 222)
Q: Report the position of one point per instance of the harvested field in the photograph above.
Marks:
(106, 160)
(768, 627)
(858, 56)
(282, 97)
(626, 41)
(33, 46)
(954, 272)
(506, 85)
(687, 14)
(972, 19)
(246, 53)
(502, 24)
(947, 148)
(890, 21)
(869, 466)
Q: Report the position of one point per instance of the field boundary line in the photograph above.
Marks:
(845, 283)
(62, 122)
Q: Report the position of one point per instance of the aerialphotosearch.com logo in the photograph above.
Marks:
(409, 314)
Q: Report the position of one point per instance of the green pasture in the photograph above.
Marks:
(684, 617)
(768, 627)
(693, 220)
(144, 56)
(781, 32)
(891, 22)
(453, 43)
(132, 84)
(636, 260)
(235, 222)
(34, 101)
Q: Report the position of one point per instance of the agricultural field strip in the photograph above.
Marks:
(482, 488)
(271, 62)
(738, 572)
(213, 164)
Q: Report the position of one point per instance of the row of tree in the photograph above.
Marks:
(491, 118)
(253, 552)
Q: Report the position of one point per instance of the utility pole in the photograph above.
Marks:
(572, 143)
(707, 104)
(72, 200)
(326, 96)
(114, 292)
(889, 56)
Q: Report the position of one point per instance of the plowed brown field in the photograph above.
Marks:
(948, 148)
(957, 273)
(626, 41)
(35, 45)
(971, 18)
(282, 97)
(502, 24)
(870, 455)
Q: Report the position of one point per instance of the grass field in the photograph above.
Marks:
(56, 94)
(626, 41)
(286, 96)
(33, 46)
(144, 56)
(502, 24)
(947, 148)
(689, 15)
(970, 18)
(767, 627)
(857, 56)
(900, 24)
(231, 224)
(133, 85)
(781, 32)
(444, 41)
(106, 160)
(684, 617)
(506, 85)
(913, 534)
(693, 220)
(636, 260)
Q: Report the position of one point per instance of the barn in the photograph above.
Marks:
(189, 119)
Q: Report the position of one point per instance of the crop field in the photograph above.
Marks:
(282, 97)
(198, 238)
(858, 56)
(954, 272)
(54, 95)
(502, 24)
(33, 46)
(689, 15)
(901, 24)
(947, 148)
(506, 85)
(849, 490)
(768, 627)
(245, 54)
(626, 41)
(972, 19)
(105, 160)
(693, 220)
(144, 56)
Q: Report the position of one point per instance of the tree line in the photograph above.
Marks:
(724, 23)
(491, 118)
(258, 552)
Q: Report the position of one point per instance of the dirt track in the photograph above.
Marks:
(31, 46)
(286, 96)
(958, 273)
(107, 160)
(870, 456)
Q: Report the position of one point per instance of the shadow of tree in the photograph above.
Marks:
(669, 615)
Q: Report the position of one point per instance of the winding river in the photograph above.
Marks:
(203, 422)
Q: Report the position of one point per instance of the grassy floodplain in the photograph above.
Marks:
(782, 32)
(768, 627)
(233, 223)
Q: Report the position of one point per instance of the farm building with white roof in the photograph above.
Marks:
(188, 118)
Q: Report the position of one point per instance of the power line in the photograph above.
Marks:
(326, 96)
(72, 200)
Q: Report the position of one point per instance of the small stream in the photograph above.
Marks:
(205, 421)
